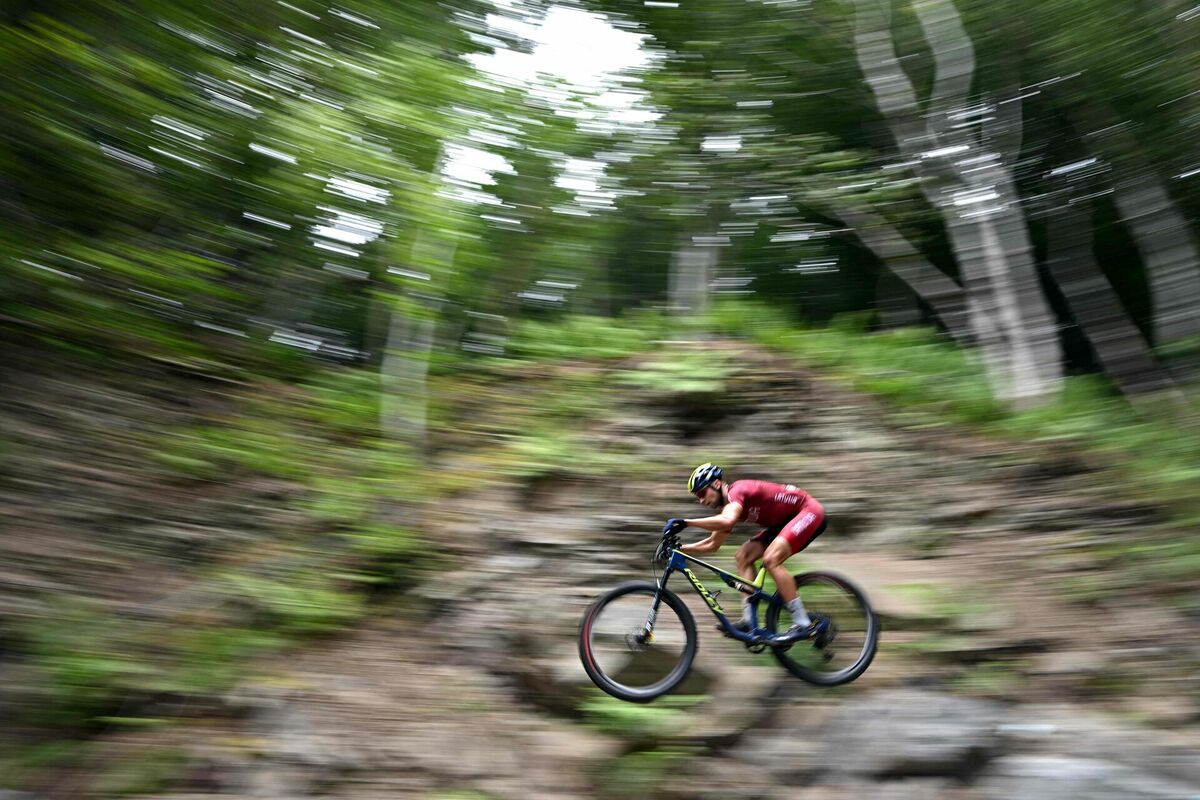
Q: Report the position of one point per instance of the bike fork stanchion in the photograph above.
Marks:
(648, 631)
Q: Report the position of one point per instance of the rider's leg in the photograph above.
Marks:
(745, 558)
(796, 535)
(779, 552)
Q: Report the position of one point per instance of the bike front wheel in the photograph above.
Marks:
(850, 647)
(618, 655)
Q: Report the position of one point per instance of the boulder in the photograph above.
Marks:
(1078, 779)
(912, 733)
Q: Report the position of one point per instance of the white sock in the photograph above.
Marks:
(748, 615)
(799, 615)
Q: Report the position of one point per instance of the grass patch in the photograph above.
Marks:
(635, 720)
(586, 337)
(642, 774)
(682, 372)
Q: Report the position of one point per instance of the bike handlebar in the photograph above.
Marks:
(668, 542)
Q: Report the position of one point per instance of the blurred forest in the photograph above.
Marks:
(297, 298)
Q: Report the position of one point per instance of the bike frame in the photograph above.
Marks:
(678, 562)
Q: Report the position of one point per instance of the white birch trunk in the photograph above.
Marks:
(971, 185)
(405, 364)
(692, 268)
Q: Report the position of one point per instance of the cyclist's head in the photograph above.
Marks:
(704, 476)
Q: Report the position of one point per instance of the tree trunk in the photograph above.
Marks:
(405, 362)
(1119, 345)
(929, 283)
(1168, 250)
(404, 369)
(692, 269)
(1008, 314)
(1162, 234)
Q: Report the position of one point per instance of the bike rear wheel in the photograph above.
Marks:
(619, 658)
(855, 631)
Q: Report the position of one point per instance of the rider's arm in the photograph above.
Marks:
(724, 521)
(710, 545)
(720, 525)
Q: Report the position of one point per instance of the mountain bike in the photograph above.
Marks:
(638, 641)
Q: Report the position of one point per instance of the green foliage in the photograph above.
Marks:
(97, 666)
(641, 774)
(23, 764)
(345, 401)
(682, 372)
(634, 721)
(259, 446)
(208, 659)
(384, 554)
(557, 450)
(147, 770)
(89, 662)
(303, 603)
(339, 499)
(585, 337)
(85, 659)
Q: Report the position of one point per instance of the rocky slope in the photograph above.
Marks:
(1008, 667)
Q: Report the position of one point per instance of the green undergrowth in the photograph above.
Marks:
(586, 337)
(637, 721)
(644, 773)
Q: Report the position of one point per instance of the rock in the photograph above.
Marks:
(907, 733)
(789, 756)
(1071, 732)
(1166, 712)
(966, 511)
(1070, 664)
(508, 564)
(1076, 778)
(849, 516)
(999, 645)
(739, 696)
(910, 789)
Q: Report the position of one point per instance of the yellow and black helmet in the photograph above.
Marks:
(703, 475)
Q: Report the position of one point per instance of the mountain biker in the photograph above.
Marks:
(791, 519)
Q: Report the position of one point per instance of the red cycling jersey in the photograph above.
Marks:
(766, 504)
(781, 510)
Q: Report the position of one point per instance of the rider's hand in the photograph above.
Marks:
(674, 525)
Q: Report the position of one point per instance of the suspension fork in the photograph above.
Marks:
(648, 630)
